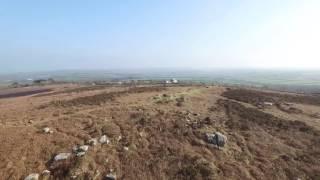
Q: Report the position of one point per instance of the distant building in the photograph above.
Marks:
(44, 81)
(51, 80)
(39, 81)
(15, 85)
(174, 81)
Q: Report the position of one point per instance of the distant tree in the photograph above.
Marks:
(51, 80)
(38, 81)
(15, 85)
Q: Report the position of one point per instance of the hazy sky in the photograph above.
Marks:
(81, 34)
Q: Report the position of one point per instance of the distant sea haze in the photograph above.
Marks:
(295, 80)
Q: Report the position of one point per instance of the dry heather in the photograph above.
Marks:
(152, 140)
(73, 90)
(255, 97)
(17, 93)
(289, 149)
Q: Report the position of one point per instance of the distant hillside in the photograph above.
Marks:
(297, 81)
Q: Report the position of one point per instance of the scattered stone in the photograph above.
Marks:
(142, 134)
(93, 142)
(119, 138)
(46, 130)
(110, 177)
(268, 103)
(80, 154)
(62, 156)
(33, 176)
(126, 148)
(46, 173)
(77, 174)
(104, 140)
(96, 174)
(83, 148)
(75, 149)
(217, 139)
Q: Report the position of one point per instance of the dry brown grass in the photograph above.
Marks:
(164, 141)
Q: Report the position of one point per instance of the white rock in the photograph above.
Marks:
(75, 149)
(126, 148)
(211, 138)
(221, 139)
(83, 148)
(141, 134)
(33, 176)
(104, 140)
(46, 130)
(46, 173)
(119, 138)
(62, 156)
(97, 174)
(268, 103)
(217, 139)
(93, 142)
(111, 177)
(80, 154)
